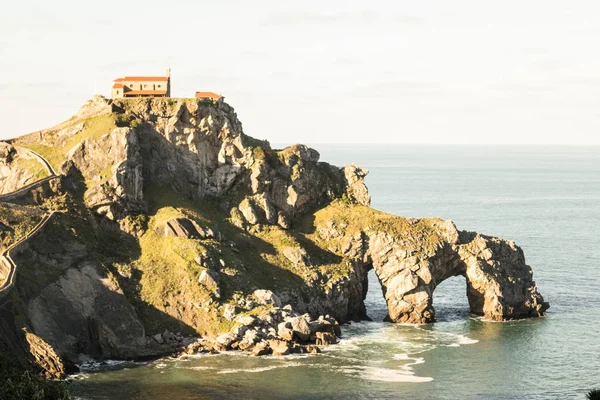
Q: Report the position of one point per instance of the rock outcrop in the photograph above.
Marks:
(409, 266)
(168, 218)
(18, 168)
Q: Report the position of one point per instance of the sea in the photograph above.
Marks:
(546, 198)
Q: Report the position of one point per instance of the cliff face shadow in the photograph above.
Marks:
(68, 291)
(254, 262)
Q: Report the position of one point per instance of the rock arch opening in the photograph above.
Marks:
(450, 300)
(375, 304)
(491, 271)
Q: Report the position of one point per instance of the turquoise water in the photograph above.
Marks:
(545, 198)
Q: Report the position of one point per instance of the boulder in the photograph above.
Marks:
(184, 228)
(158, 338)
(229, 312)
(297, 256)
(285, 331)
(227, 339)
(300, 328)
(240, 330)
(169, 337)
(245, 344)
(266, 297)
(261, 349)
(248, 210)
(210, 280)
(325, 338)
(279, 347)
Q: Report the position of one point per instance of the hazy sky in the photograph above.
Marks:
(321, 71)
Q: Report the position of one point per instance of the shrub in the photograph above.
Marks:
(121, 120)
(135, 123)
(19, 383)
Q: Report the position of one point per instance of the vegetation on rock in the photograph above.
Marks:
(173, 224)
(19, 383)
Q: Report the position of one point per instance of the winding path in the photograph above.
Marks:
(51, 176)
(6, 257)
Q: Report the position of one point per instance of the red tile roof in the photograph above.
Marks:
(143, 78)
(208, 95)
(118, 86)
(145, 92)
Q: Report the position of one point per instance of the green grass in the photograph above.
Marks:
(33, 167)
(56, 154)
(420, 234)
(20, 219)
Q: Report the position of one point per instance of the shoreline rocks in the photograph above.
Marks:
(277, 332)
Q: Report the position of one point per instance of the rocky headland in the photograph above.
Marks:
(166, 229)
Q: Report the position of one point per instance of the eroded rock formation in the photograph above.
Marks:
(411, 264)
(170, 219)
(18, 168)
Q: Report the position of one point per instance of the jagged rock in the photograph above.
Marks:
(251, 335)
(297, 255)
(229, 312)
(80, 300)
(7, 152)
(279, 347)
(18, 168)
(121, 184)
(355, 181)
(158, 338)
(169, 337)
(191, 151)
(325, 338)
(106, 211)
(285, 331)
(499, 283)
(227, 339)
(248, 210)
(267, 297)
(283, 221)
(261, 349)
(45, 356)
(210, 280)
(245, 344)
(240, 330)
(300, 328)
(184, 228)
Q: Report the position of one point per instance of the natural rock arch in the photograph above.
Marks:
(499, 283)
(410, 263)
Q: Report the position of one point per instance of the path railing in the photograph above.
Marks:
(6, 256)
(52, 175)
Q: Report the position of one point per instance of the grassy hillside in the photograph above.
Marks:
(55, 143)
(16, 221)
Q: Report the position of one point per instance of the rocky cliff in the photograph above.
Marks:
(171, 223)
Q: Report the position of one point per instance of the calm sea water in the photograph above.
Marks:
(545, 198)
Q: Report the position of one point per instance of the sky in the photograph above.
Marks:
(378, 71)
